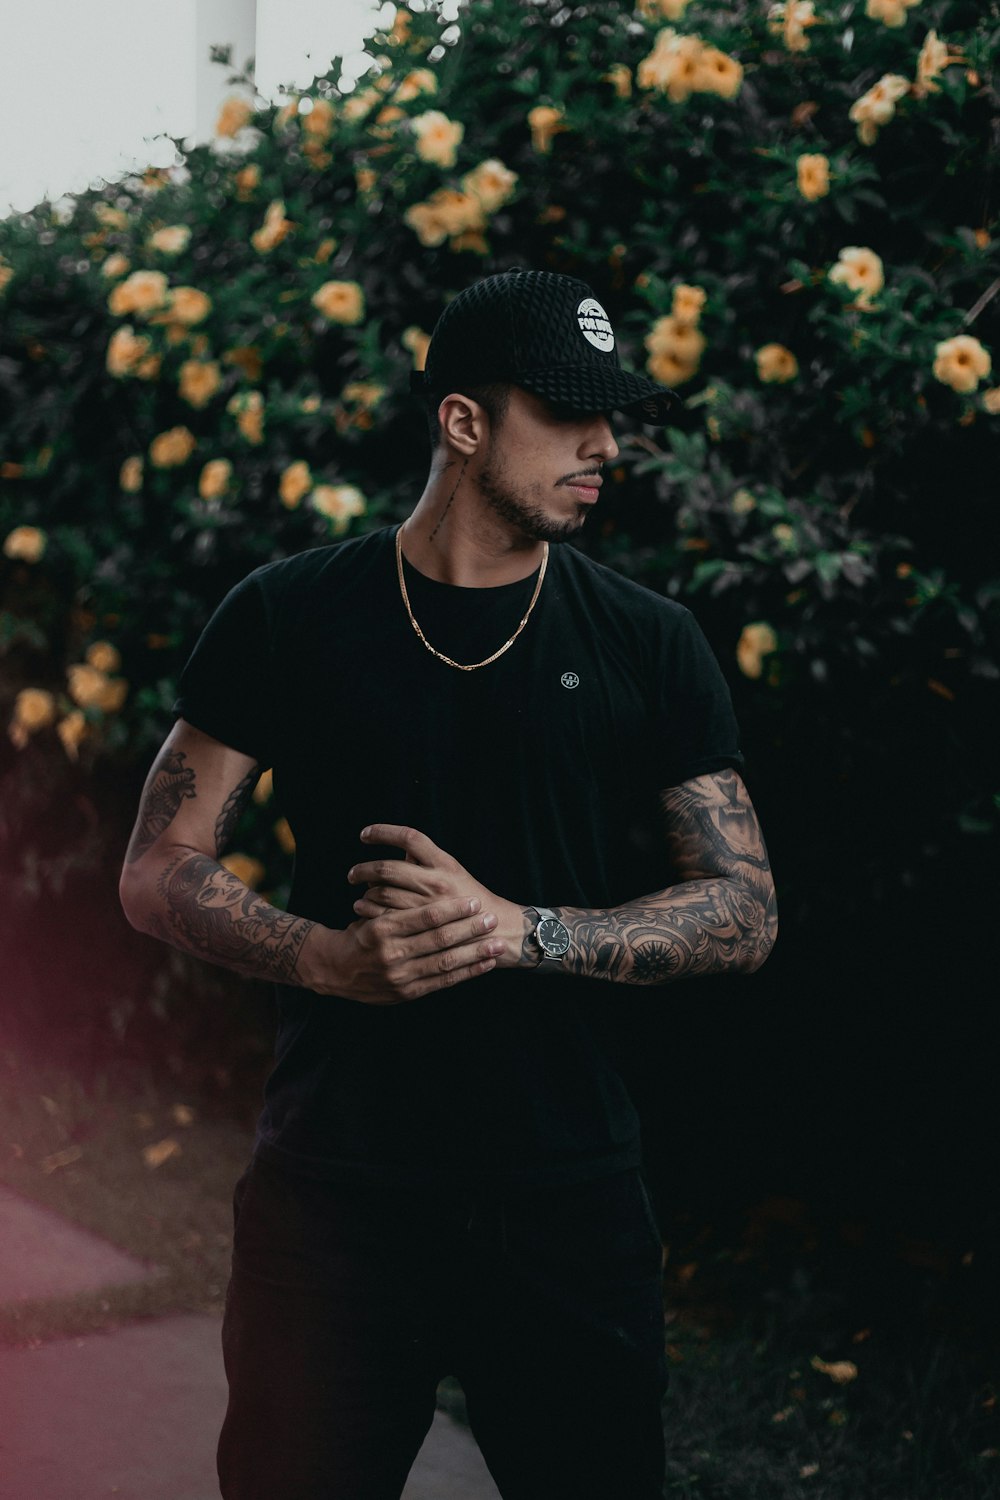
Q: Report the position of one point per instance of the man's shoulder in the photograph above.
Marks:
(616, 591)
(320, 565)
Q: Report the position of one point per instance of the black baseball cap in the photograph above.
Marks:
(544, 332)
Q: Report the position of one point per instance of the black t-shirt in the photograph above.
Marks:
(540, 773)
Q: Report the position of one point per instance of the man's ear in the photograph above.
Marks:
(464, 423)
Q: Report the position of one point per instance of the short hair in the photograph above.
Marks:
(494, 398)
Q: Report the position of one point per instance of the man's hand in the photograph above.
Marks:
(428, 874)
(401, 955)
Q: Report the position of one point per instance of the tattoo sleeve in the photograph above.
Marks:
(172, 784)
(721, 915)
(210, 912)
(228, 818)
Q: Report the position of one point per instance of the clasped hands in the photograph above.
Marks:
(424, 922)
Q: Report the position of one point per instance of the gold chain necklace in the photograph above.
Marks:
(465, 666)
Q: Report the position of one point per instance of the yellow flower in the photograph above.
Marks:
(274, 228)
(103, 656)
(545, 122)
(620, 78)
(310, 404)
(128, 353)
(233, 116)
(245, 357)
(446, 213)
(470, 239)
(245, 868)
(338, 502)
(673, 66)
(367, 393)
(668, 10)
(892, 12)
(718, 73)
(671, 335)
(360, 103)
(171, 448)
(743, 502)
(756, 641)
(34, 709)
(419, 81)
(669, 368)
(775, 363)
(247, 179)
(6, 273)
(72, 730)
(784, 535)
(492, 183)
(791, 21)
(248, 409)
(319, 121)
(991, 400)
(877, 106)
(861, 270)
(264, 789)
(935, 56)
(418, 342)
(142, 292)
(130, 474)
(340, 301)
(115, 265)
(438, 138)
(812, 172)
(110, 217)
(296, 481)
(91, 688)
(687, 303)
(25, 544)
(283, 833)
(961, 362)
(198, 381)
(170, 240)
(214, 478)
(366, 180)
(188, 305)
(840, 1371)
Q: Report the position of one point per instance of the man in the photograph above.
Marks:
(513, 777)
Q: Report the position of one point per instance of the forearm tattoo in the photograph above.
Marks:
(172, 784)
(233, 806)
(211, 913)
(722, 914)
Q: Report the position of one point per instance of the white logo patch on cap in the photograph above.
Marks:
(594, 325)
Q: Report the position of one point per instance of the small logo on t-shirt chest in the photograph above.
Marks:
(569, 680)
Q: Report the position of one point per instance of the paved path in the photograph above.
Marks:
(134, 1413)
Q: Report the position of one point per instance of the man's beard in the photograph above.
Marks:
(514, 507)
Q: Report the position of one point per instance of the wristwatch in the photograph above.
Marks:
(550, 936)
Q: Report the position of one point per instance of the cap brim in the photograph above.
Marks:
(593, 388)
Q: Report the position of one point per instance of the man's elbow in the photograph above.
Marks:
(762, 937)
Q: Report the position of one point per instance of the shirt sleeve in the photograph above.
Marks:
(226, 687)
(697, 732)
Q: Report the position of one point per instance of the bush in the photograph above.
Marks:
(790, 217)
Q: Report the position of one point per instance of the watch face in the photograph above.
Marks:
(553, 937)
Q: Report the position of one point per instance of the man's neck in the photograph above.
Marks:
(455, 537)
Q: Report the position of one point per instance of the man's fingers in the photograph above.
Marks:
(390, 872)
(416, 844)
(416, 919)
(454, 944)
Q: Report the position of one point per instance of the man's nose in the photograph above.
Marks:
(600, 442)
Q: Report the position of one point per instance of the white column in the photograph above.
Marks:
(220, 23)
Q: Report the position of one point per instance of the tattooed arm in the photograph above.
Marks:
(174, 888)
(720, 915)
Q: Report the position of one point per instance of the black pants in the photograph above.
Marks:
(348, 1303)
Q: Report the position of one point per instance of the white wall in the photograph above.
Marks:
(87, 85)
